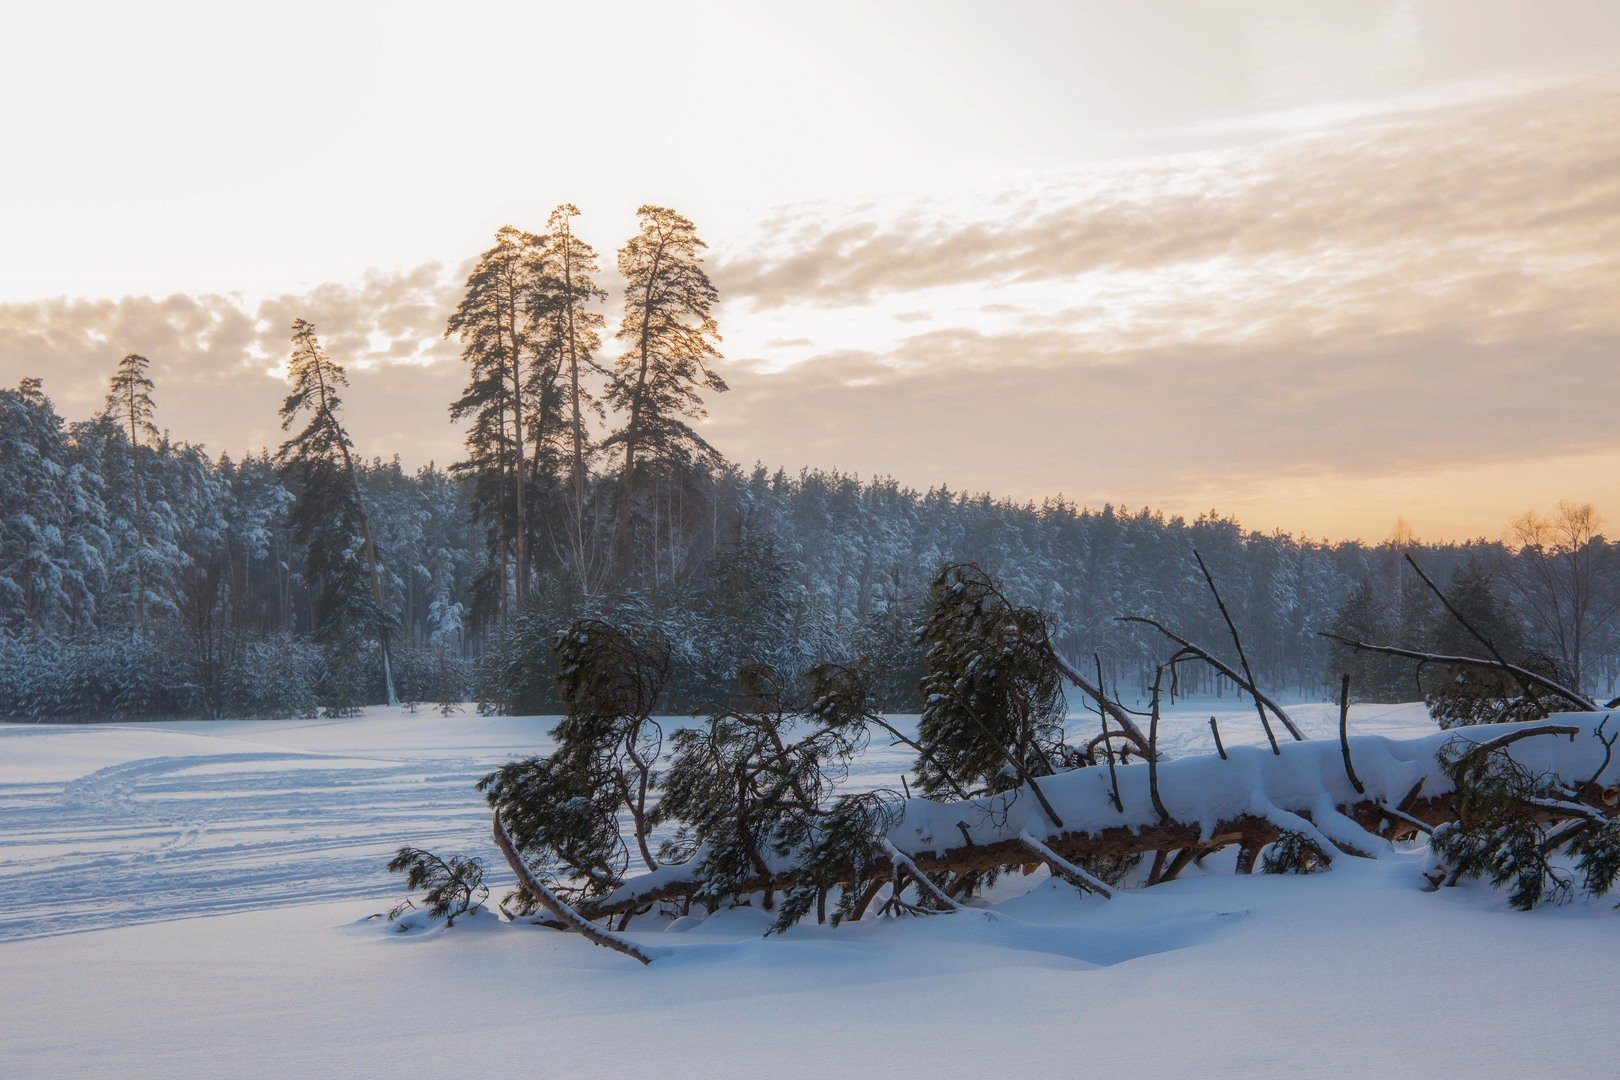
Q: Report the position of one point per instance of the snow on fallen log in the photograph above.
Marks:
(1065, 869)
(1248, 798)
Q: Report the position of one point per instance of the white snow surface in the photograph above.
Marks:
(190, 899)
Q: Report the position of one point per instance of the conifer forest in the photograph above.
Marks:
(143, 577)
(1021, 540)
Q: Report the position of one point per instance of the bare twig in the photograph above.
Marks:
(1243, 658)
(922, 752)
(1153, 746)
(1108, 752)
(1523, 733)
(1608, 753)
(1233, 676)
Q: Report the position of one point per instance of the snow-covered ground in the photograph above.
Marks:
(188, 899)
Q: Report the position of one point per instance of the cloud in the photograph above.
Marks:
(1325, 314)
(1316, 329)
(1539, 172)
(217, 361)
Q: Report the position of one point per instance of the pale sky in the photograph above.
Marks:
(1318, 265)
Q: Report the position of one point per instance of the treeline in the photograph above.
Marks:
(139, 576)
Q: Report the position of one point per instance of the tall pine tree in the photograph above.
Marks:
(129, 402)
(499, 327)
(329, 518)
(669, 334)
(575, 335)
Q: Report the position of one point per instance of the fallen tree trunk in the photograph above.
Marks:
(1248, 799)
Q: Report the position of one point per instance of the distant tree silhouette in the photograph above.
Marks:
(129, 401)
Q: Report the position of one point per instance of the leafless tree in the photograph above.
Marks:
(1564, 578)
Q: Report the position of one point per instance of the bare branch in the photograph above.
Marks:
(1065, 869)
(1221, 666)
(1344, 735)
(1243, 658)
(1115, 711)
(1581, 702)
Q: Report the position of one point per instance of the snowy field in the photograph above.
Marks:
(190, 899)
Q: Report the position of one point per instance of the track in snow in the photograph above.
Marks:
(306, 812)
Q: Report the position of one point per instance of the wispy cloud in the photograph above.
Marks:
(1537, 174)
(1432, 293)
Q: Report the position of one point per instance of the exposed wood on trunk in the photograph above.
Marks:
(1247, 830)
(1249, 849)
(1182, 860)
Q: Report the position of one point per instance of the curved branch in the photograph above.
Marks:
(554, 904)
(1220, 666)
(1115, 711)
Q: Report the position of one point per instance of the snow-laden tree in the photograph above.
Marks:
(47, 576)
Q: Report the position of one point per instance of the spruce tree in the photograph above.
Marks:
(1463, 694)
(669, 336)
(993, 703)
(129, 402)
(1372, 678)
(329, 518)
